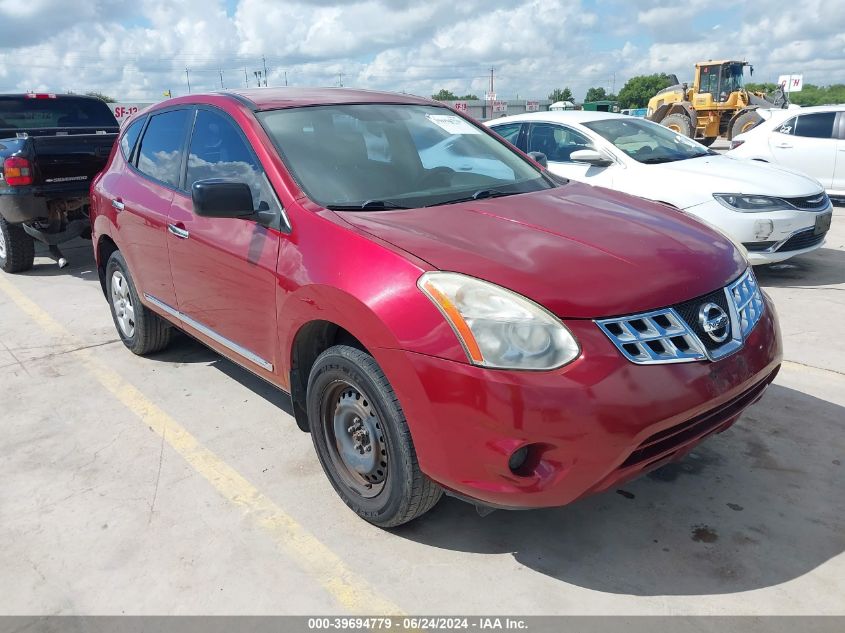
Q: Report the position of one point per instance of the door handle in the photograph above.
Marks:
(117, 204)
(178, 231)
(783, 145)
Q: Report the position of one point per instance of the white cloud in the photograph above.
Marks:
(135, 49)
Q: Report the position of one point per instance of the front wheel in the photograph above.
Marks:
(679, 123)
(17, 249)
(362, 439)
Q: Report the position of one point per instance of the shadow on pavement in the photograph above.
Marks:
(823, 267)
(80, 258)
(755, 507)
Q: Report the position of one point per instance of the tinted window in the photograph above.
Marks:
(819, 125)
(25, 113)
(509, 131)
(160, 155)
(388, 155)
(556, 142)
(219, 151)
(130, 136)
(788, 127)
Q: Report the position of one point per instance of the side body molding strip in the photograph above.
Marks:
(239, 350)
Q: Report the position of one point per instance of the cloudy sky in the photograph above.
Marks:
(135, 49)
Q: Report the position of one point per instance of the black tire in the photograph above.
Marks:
(680, 123)
(149, 333)
(745, 122)
(708, 141)
(17, 250)
(345, 379)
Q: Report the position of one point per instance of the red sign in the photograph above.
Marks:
(460, 106)
(500, 106)
(532, 106)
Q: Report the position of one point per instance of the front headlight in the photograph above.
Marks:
(497, 327)
(751, 204)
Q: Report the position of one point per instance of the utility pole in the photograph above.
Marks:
(613, 88)
(491, 79)
(257, 74)
(246, 79)
(264, 61)
(340, 79)
(188, 80)
(220, 70)
(286, 78)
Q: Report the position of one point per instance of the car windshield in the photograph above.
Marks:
(647, 142)
(390, 156)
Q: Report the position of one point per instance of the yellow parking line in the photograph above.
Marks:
(350, 590)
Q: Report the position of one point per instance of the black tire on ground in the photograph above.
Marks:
(346, 386)
(680, 123)
(745, 122)
(708, 141)
(144, 332)
(17, 249)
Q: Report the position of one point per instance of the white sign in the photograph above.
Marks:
(452, 124)
(500, 106)
(532, 106)
(123, 111)
(490, 96)
(461, 106)
(791, 83)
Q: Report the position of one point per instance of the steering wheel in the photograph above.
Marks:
(433, 176)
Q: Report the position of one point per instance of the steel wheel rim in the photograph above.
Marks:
(355, 440)
(121, 300)
(2, 244)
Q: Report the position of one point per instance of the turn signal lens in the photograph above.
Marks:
(17, 171)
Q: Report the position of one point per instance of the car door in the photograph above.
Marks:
(224, 268)
(142, 199)
(558, 142)
(807, 144)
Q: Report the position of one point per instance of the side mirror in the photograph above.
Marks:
(591, 157)
(539, 157)
(216, 198)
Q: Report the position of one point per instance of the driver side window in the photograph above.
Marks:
(557, 142)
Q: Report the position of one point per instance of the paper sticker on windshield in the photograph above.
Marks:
(452, 124)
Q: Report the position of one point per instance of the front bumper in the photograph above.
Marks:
(775, 230)
(591, 425)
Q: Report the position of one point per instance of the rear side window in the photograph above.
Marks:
(160, 154)
(817, 125)
(509, 132)
(130, 137)
(218, 150)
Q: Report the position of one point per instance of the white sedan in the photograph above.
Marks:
(774, 212)
(810, 140)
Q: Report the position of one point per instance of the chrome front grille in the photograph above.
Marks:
(747, 301)
(654, 337)
(683, 333)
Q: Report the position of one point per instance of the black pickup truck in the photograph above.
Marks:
(51, 146)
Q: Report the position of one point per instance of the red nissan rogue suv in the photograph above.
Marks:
(445, 314)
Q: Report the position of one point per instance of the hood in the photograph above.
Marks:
(701, 177)
(580, 251)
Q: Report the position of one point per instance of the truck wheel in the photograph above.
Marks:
(679, 123)
(17, 249)
(362, 439)
(140, 329)
(745, 122)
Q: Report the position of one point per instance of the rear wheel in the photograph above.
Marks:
(362, 439)
(140, 329)
(745, 122)
(679, 123)
(17, 249)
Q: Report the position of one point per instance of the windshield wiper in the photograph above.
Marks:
(481, 194)
(374, 205)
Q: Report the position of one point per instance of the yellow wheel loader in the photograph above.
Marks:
(717, 104)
